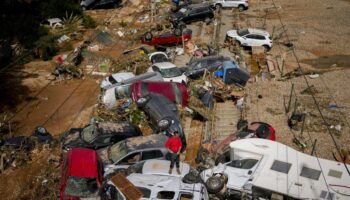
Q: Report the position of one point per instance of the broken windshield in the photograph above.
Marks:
(81, 187)
(170, 72)
(89, 133)
(117, 151)
(243, 164)
(242, 32)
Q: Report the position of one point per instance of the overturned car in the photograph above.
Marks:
(163, 115)
(99, 135)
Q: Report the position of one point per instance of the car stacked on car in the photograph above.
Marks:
(107, 149)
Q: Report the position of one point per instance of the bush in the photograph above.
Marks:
(89, 22)
(5, 53)
(47, 46)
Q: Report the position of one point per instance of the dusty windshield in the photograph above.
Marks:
(117, 151)
(242, 32)
(170, 72)
(82, 187)
(89, 133)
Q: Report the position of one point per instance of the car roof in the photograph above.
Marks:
(161, 167)
(146, 142)
(164, 65)
(209, 58)
(258, 31)
(122, 76)
(198, 5)
(78, 157)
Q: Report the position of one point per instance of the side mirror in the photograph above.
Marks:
(250, 172)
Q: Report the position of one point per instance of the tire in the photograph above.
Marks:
(178, 32)
(202, 155)
(218, 6)
(191, 178)
(214, 184)
(207, 20)
(241, 8)
(266, 48)
(148, 36)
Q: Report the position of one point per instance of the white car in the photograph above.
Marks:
(240, 4)
(251, 37)
(115, 78)
(53, 23)
(153, 180)
(169, 72)
(158, 56)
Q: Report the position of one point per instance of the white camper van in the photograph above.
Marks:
(262, 168)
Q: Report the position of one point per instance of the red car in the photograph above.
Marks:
(166, 39)
(82, 173)
(176, 92)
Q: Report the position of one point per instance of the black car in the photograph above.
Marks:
(99, 4)
(99, 135)
(40, 135)
(163, 115)
(196, 67)
(192, 13)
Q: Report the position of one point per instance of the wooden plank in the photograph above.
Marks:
(126, 187)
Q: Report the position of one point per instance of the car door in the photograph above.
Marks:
(259, 40)
(152, 154)
(239, 172)
(249, 40)
(230, 3)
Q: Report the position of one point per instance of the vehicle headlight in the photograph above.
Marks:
(141, 100)
(163, 123)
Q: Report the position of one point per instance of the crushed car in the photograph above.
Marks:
(99, 4)
(81, 174)
(192, 13)
(153, 180)
(99, 135)
(169, 72)
(163, 115)
(122, 89)
(167, 38)
(195, 68)
(115, 79)
(231, 73)
(133, 150)
(175, 92)
(240, 4)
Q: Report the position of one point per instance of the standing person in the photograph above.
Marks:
(174, 145)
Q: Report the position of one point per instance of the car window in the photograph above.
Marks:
(146, 192)
(259, 37)
(185, 196)
(170, 72)
(104, 140)
(89, 133)
(250, 36)
(243, 164)
(83, 187)
(112, 80)
(117, 151)
(165, 195)
(132, 158)
(151, 154)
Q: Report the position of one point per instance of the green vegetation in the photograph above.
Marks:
(20, 24)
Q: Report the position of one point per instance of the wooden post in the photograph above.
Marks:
(290, 98)
(313, 147)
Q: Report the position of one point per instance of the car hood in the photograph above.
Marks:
(232, 33)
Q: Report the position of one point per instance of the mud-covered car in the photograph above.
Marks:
(162, 114)
(192, 13)
(134, 150)
(195, 68)
(175, 92)
(99, 135)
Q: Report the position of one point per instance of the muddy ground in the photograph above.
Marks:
(317, 28)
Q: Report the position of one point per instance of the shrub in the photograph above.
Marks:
(89, 22)
(47, 46)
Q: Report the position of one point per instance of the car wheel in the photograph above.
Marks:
(207, 20)
(214, 184)
(191, 178)
(218, 7)
(177, 32)
(241, 8)
(266, 48)
(148, 36)
(202, 155)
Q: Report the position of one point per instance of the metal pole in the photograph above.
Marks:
(290, 97)
(313, 147)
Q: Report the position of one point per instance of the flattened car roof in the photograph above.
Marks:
(146, 142)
